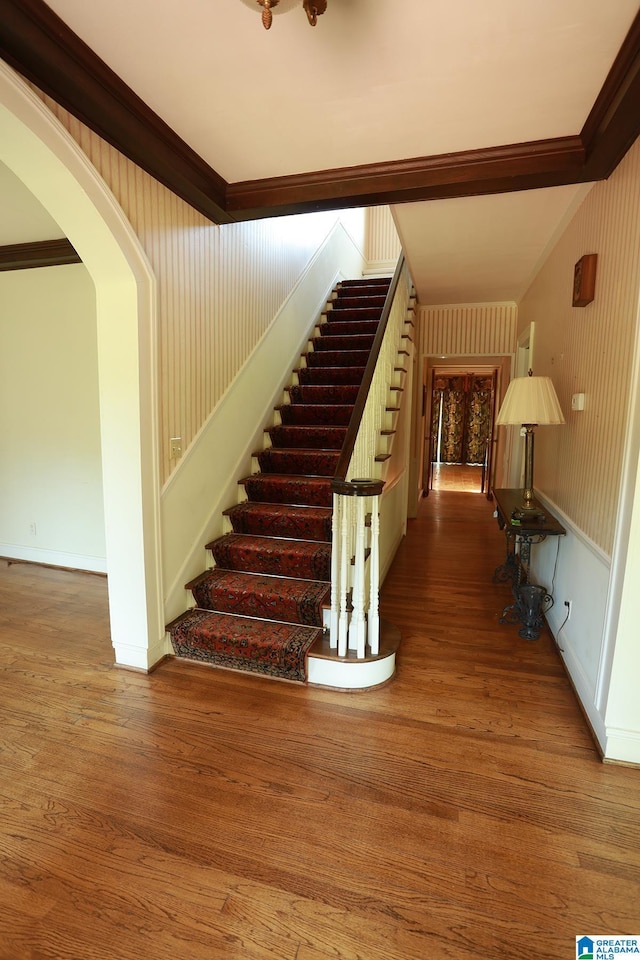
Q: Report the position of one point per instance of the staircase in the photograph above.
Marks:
(263, 605)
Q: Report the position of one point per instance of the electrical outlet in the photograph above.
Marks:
(175, 448)
(567, 604)
(33, 530)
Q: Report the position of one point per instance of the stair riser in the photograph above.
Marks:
(321, 438)
(337, 358)
(319, 394)
(272, 520)
(294, 490)
(377, 284)
(335, 342)
(348, 328)
(304, 605)
(309, 413)
(320, 464)
(360, 303)
(342, 314)
(323, 376)
(274, 560)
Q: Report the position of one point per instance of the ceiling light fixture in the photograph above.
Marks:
(312, 8)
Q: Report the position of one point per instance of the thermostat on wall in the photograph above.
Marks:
(577, 401)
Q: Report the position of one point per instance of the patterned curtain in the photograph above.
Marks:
(466, 403)
(453, 417)
(478, 421)
(436, 404)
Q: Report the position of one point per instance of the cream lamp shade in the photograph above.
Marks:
(530, 400)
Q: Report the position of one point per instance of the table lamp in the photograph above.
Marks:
(528, 402)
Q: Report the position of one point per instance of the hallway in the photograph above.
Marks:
(461, 811)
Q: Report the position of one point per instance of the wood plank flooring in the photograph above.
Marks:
(459, 812)
(458, 477)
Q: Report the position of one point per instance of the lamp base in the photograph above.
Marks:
(526, 512)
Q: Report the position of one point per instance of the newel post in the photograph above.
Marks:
(354, 616)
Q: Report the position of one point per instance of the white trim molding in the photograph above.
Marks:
(35, 146)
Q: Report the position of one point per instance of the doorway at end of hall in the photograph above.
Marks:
(460, 439)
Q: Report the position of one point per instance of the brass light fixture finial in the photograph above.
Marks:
(267, 16)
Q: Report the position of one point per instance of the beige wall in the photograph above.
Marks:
(51, 501)
(589, 350)
(219, 287)
(382, 244)
(468, 329)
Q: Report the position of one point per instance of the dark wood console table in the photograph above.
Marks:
(522, 533)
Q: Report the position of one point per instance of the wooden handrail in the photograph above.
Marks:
(358, 410)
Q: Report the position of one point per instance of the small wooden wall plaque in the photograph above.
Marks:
(584, 280)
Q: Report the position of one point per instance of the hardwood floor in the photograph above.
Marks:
(460, 477)
(459, 812)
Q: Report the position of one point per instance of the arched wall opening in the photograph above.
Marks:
(49, 162)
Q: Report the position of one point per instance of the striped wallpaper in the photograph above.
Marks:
(589, 350)
(467, 330)
(382, 244)
(219, 287)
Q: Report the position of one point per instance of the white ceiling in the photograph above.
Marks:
(483, 249)
(377, 80)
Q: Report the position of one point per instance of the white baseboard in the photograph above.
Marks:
(142, 658)
(623, 746)
(584, 692)
(53, 558)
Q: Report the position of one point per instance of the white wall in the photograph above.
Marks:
(51, 502)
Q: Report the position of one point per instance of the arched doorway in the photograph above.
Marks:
(40, 152)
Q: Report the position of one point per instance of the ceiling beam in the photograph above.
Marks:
(40, 253)
(614, 122)
(40, 46)
(493, 170)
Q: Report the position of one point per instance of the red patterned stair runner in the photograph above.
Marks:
(260, 607)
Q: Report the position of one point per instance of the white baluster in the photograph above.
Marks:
(358, 628)
(335, 572)
(344, 569)
(374, 578)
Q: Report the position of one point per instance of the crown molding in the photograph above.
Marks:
(40, 253)
(40, 46)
